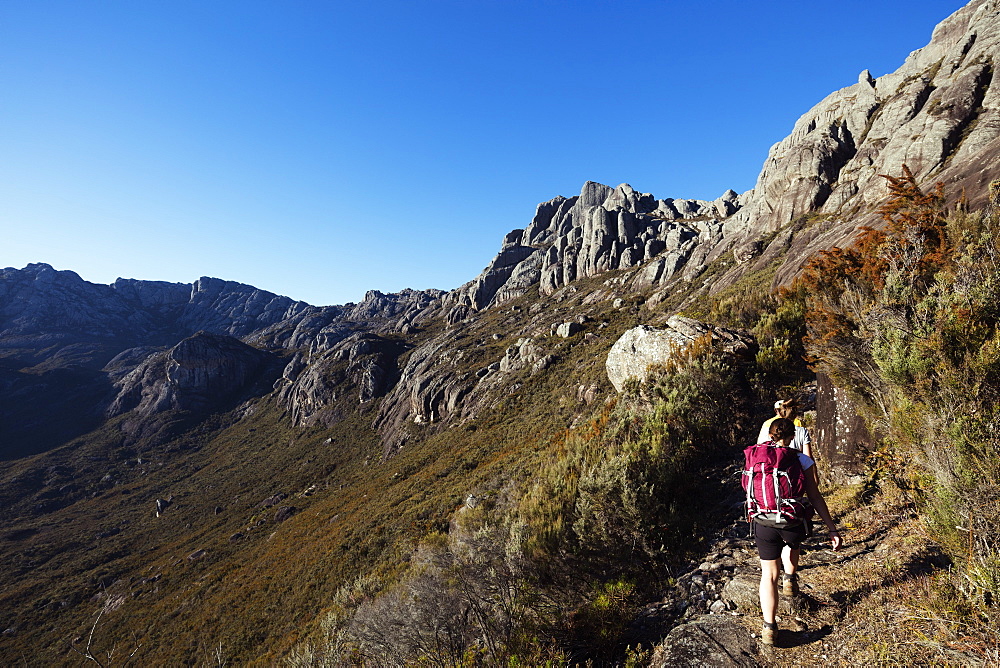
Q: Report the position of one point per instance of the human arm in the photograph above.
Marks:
(819, 503)
(764, 436)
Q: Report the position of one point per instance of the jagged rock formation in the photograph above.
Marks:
(405, 309)
(939, 114)
(199, 372)
(643, 346)
(600, 230)
(363, 362)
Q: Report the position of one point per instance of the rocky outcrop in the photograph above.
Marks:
(311, 384)
(430, 390)
(441, 384)
(939, 114)
(642, 347)
(600, 230)
(404, 310)
(841, 437)
(199, 373)
(710, 640)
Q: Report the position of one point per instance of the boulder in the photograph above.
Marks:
(709, 640)
(743, 593)
(273, 500)
(567, 329)
(642, 346)
(162, 505)
(283, 513)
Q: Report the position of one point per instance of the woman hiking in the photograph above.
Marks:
(771, 540)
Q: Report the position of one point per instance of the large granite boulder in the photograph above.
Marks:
(644, 346)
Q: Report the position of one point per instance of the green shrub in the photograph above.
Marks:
(907, 318)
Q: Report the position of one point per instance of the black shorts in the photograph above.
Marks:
(770, 540)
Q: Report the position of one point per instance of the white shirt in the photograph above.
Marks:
(801, 439)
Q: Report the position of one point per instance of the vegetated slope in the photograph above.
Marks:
(363, 429)
(264, 570)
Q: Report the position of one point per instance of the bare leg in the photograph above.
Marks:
(790, 560)
(769, 589)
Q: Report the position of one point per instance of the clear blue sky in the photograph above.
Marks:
(321, 149)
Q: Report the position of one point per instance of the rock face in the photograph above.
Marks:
(841, 436)
(430, 390)
(600, 230)
(173, 346)
(643, 346)
(197, 373)
(365, 363)
(83, 324)
(939, 114)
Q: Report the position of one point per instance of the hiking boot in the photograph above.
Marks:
(790, 585)
(767, 633)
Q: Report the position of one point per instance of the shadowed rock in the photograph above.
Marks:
(710, 640)
(198, 373)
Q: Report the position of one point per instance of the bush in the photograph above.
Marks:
(906, 319)
(619, 488)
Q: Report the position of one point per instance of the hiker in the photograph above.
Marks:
(789, 409)
(783, 537)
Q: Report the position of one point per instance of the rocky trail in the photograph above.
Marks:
(711, 614)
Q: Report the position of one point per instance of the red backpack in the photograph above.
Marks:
(776, 486)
